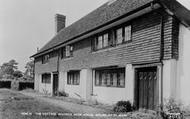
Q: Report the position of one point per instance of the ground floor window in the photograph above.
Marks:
(46, 78)
(110, 77)
(73, 78)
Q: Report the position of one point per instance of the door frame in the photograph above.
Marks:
(53, 82)
(158, 94)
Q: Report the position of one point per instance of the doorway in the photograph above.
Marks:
(55, 84)
(146, 87)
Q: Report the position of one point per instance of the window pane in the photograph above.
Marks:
(63, 52)
(69, 80)
(122, 79)
(67, 51)
(111, 79)
(128, 33)
(111, 38)
(105, 40)
(104, 82)
(97, 78)
(114, 79)
(46, 78)
(108, 79)
(119, 35)
(100, 78)
(99, 44)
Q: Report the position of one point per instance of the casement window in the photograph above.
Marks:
(67, 51)
(46, 78)
(45, 58)
(112, 38)
(101, 41)
(123, 34)
(119, 36)
(73, 78)
(105, 40)
(110, 77)
(127, 35)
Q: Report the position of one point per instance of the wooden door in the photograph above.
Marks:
(146, 87)
(55, 84)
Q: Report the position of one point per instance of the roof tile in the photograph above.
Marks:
(98, 17)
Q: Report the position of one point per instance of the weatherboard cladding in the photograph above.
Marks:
(145, 47)
(171, 33)
(98, 17)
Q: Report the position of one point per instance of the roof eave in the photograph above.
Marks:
(53, 48)
(174, 8)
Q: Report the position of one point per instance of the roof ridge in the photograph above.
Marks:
(102, 15)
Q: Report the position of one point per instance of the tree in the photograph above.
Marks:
(29, 73)
(1, 73)
(8, 68)
(17, 74)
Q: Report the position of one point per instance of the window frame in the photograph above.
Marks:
(130, 38)
(96, 41)
(45, 58)
(112, 37)
(44, 78)
(113, 82)
(64, 51)
(73, 77)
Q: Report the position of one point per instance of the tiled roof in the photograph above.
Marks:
(96, 18)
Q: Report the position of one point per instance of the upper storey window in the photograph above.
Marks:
(112, 38)
(127, 34)
(67, 51)
(101, 41)
(45, 58)
(119, 35)
(123, 34)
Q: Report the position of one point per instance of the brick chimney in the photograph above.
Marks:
(59, 22)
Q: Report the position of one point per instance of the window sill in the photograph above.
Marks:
(73, 84)
(67, 58)
(45, 63)
(124, 44)
(110, 86)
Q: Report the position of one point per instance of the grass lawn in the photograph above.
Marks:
(15, 106)
(18, 105)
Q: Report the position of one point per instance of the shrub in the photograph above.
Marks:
(123, 106)
(172, 106)
(172, 110)
(62, 93)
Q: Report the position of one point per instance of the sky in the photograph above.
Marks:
(28, 24)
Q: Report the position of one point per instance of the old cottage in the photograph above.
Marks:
(135, 50)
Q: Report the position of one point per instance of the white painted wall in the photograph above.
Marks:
(46, 88)
(72, 90)
(169, 79)
(36, 82)
(62, 82)
(86, 83)
(84, 89)
(176, 73)
(110, 95)
(183, 65)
